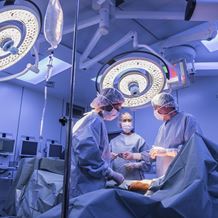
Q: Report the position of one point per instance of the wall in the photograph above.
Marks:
(201, 100)
(21, 111)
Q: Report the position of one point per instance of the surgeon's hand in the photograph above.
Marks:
(157, 151)
(127, 155)
(131, 156)
(132, 166)
(113, 156)
(117, 177)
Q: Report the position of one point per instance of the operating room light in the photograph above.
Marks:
(35, 78)
(139, 79)
(211, 45)
(133, 84)
(19, 30)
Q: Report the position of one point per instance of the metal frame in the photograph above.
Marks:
(205, 31)
(32, 67)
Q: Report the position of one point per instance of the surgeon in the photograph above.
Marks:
(176, 130)
(129, 141)
(90, 148)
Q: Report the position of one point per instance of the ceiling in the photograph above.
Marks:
(150, 31)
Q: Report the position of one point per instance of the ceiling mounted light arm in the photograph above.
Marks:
(204, 31)
(85, 23)
(131, 36)
(90, 46)
(32, 67)
(127, 38)
(14, 76)
(144, 46)
(149, 15)
(102, 30)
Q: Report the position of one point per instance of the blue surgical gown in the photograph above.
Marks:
(132, 143)
(173, 134)
(90, 154)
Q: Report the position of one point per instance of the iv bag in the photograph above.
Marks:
(53, 23)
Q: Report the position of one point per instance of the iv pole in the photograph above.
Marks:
(67, 162)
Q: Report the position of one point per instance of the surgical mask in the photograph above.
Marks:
(110, 115)
(159, 116)
(126, 127)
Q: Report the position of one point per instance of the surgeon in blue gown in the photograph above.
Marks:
(129, 141)
(176, 130)
(90, 168)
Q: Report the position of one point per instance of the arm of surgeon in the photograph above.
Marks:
(161, 152)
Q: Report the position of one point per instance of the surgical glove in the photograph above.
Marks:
(172, 152)
(131, 156)
(127, 155)
(157, 151)
(117, 177)
(132, 166)
(113, 155)
(137, 156)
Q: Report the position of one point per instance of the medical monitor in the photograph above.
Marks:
(29, 148)
(55, 150)
(6, 146)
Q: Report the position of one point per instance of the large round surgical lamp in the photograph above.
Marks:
(138, 78)
(19, 29)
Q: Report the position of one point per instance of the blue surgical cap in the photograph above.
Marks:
(164, 99)
(108, 96)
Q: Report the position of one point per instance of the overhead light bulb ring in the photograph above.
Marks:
(129, 76)
(23, 31)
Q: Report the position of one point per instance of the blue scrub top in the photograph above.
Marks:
(173, 134)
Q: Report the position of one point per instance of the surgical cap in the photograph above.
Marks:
(125, 115)
(108, 96)
(164, 99)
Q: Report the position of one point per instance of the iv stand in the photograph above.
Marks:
(67, 162)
